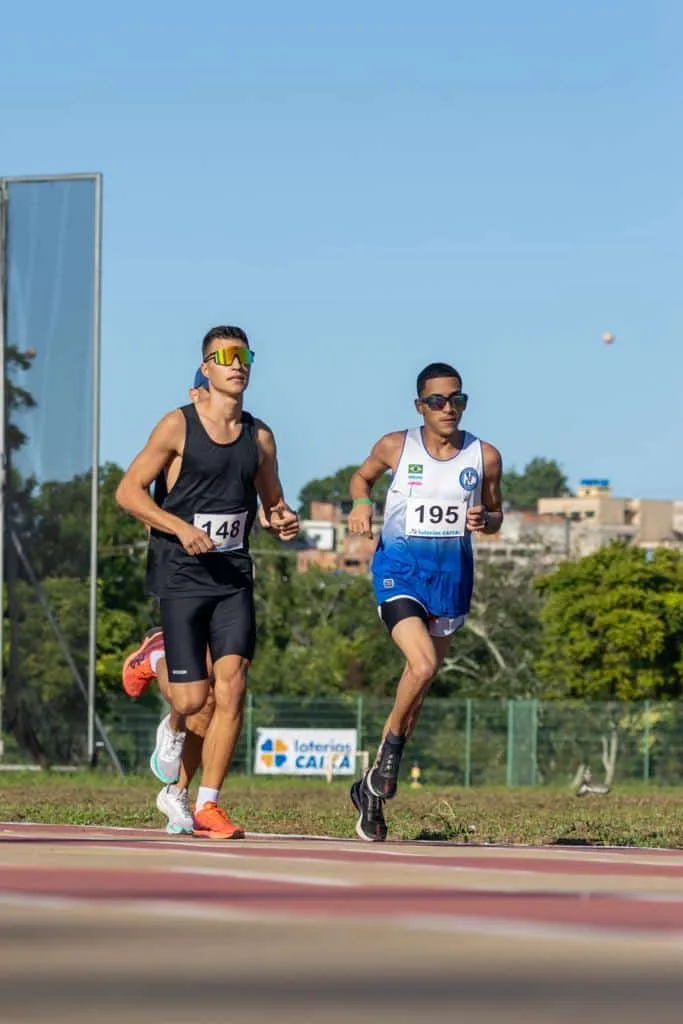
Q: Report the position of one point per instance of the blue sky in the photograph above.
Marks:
(366, 188)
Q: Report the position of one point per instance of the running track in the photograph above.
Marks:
(130, 921)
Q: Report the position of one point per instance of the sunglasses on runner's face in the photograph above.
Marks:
(226, 356)
(457, 401)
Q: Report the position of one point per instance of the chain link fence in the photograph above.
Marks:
(466, 742)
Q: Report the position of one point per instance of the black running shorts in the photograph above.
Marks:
(396, 609)
(225, 625)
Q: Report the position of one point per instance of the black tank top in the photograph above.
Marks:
(216, 491)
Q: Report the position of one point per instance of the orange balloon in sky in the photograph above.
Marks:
(608, 338)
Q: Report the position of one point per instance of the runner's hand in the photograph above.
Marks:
(284, 522)
(477, 518)
(194, 540)
(265, 523)
(360, 520)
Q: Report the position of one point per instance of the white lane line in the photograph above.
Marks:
(264, 876)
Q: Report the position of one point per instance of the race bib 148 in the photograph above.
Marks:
(225, 530)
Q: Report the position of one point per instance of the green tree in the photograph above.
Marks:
(45, 711)
(318, 631)
(17, 399)
(542, 478)
(335, 489)
(122, 554)
(612, 626)
(54, 525)
(493, 655)
(18, 517)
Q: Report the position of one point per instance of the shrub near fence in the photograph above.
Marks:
(466, 742)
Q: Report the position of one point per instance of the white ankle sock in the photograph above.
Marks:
(154, 659)
(206, 796)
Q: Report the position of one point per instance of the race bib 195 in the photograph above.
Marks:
(225, 530)
(432, 517)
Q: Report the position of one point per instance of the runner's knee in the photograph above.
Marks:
(188, 698)
(423, 668)
(199, 723)
(231, 686)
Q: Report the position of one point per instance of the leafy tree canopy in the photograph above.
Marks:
(612, 625)
(541, 478)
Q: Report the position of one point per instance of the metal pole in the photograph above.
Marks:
(249, 716)
(511, 742)
(95, 478)
(468, 742)
(359, 721)
(646, 744)
(3, 415)
(534, 741)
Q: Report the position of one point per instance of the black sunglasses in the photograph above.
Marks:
(456, 400)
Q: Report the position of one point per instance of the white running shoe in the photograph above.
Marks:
(165, 759)
(174, 803)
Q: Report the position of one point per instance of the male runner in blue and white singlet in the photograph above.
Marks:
(445, 486)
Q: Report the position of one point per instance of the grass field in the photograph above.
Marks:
(632, 816)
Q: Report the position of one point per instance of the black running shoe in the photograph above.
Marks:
(382, 780)
(371, 825)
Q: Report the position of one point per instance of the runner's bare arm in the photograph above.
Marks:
(280, 517)
(488, 517)
(384, 456)
(166, 440)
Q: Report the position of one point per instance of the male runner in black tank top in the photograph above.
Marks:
(218, 462)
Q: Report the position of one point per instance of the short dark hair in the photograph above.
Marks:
(435, 370)
(225, 332)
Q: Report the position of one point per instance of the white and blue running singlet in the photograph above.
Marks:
(424, 551)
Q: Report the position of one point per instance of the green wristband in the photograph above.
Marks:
(362, 501)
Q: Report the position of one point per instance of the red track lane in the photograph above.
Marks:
(26, 830)
(581, 862)
(481, 861)
(601, 910)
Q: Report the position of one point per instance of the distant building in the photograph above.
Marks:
(332, 546)
(525, 535)
(595, 517)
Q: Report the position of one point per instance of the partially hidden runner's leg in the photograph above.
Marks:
(139, 669)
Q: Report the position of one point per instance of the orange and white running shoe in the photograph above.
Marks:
(211, 822)
(137, 671)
